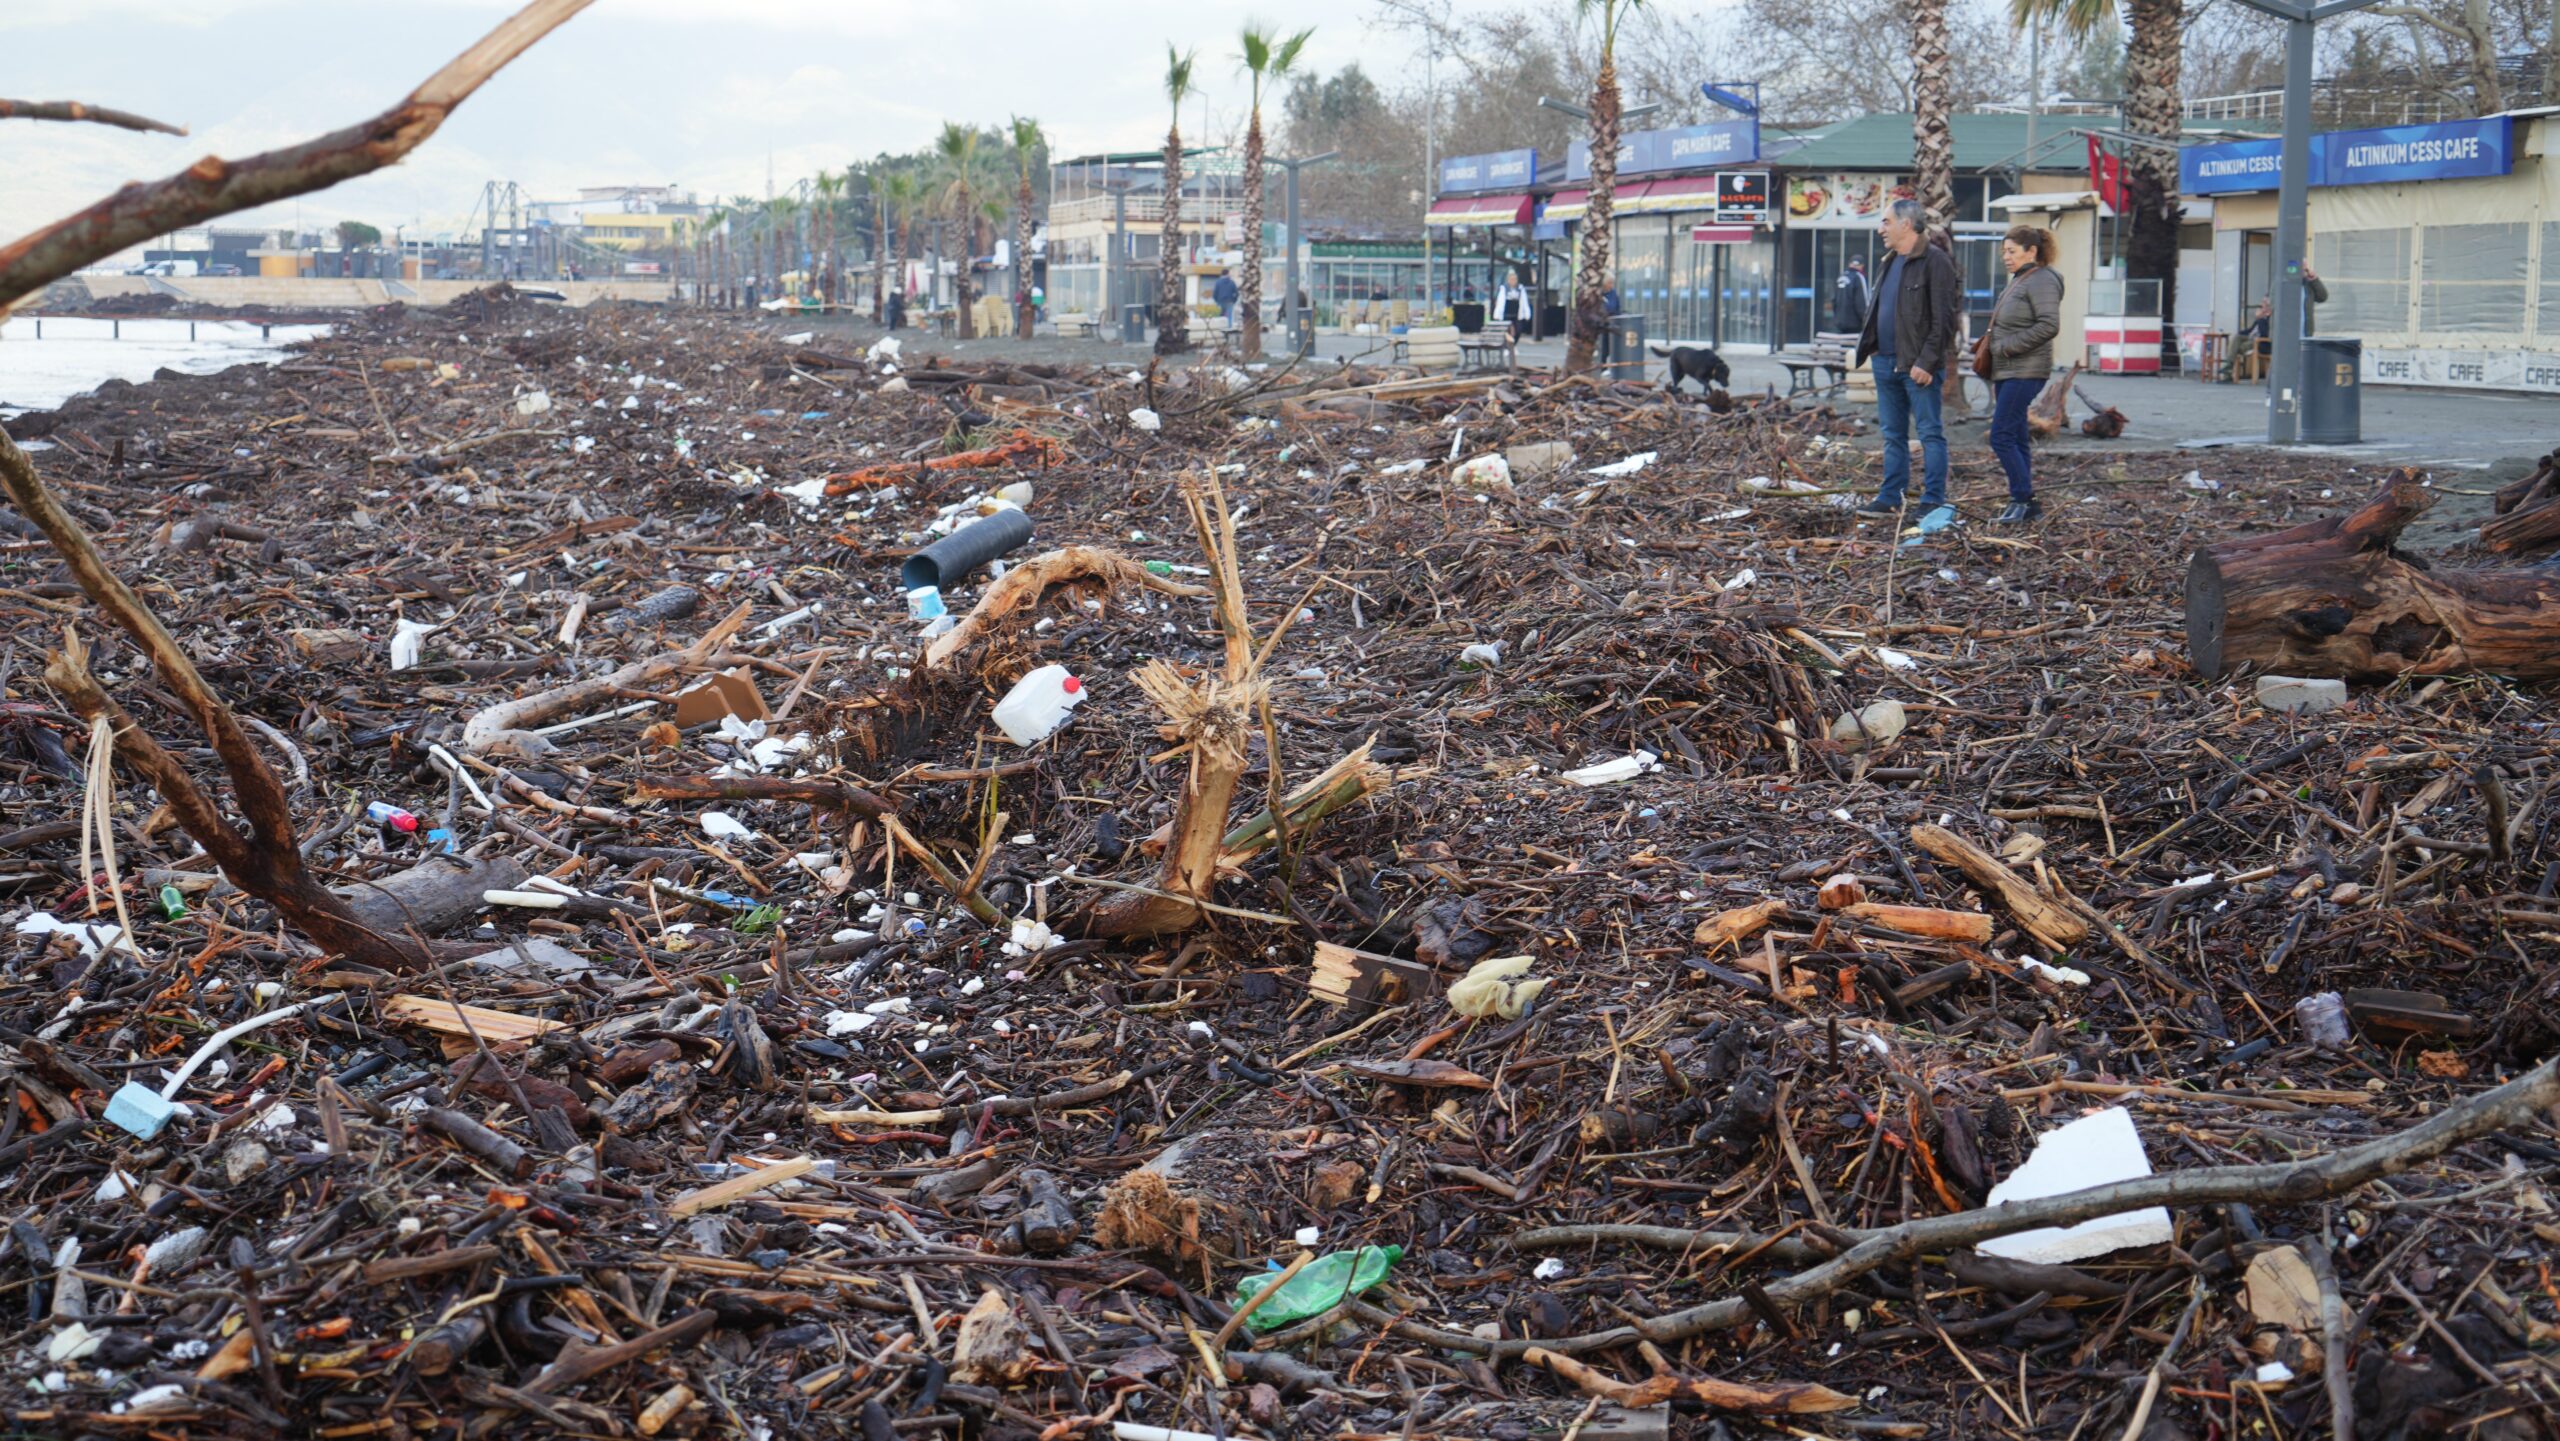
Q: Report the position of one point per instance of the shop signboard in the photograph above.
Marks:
(1690, 147)
(1742, 197)
(1841, 200)
(2455, 150)
(1502, 170)
(1722, 234)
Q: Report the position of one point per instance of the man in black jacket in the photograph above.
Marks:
(1911, 333)
(1851, 295)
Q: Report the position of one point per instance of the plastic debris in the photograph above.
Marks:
(2092, 1151)
(1610, 772)
(1320, 1287)
(1499, 987)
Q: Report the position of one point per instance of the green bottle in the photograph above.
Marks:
(1320, 1287)
(173, 903)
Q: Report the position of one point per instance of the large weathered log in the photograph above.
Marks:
(2335, 598)
(2528, 511)
(435, 895)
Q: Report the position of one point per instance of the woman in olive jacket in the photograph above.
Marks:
(2023, 324)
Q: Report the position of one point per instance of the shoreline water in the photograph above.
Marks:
(77, 354)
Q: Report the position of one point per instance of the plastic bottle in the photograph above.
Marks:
(1320, 1287)
(397, 819)
(1038, 704)
(2323, 1019)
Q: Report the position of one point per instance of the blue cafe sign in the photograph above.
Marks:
(1502, 170)
(1690, 147)
(2456, 150)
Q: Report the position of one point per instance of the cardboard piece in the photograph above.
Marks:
(726, 694)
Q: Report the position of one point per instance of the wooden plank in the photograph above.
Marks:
(447, 1018)
(1341, 975)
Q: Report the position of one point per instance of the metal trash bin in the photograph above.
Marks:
(1626, 347)
(2332, 390)
(1468, 316)
(1133, 323)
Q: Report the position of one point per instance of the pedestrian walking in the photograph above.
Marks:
(1851, 294)
(1910, 334)
(1511, 305)
(2024, 322)
(1224, 293)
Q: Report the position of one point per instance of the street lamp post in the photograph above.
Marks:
(2293, 208)
(1299, 336)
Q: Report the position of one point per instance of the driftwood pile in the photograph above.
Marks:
(1662, 904)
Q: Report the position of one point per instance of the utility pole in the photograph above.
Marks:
(2035, 88)
(2293, 207)
(1299, 336)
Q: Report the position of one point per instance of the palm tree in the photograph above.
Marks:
(1266, 57)
(1933, 141)
(1026, 145)
(880, 248)
(1173, 328)
(829, 186)
(899, 193)
(2151, 110)
(959, 174)
(1590, 314)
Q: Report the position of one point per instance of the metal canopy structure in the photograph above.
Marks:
(2293, 207)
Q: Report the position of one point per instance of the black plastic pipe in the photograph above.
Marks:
(955, 555)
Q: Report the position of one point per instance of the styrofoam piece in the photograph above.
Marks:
(2096, 1150)
(2309, 696)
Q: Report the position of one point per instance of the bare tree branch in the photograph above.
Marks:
(74, 110)
(265, 862)
(215, 187)
(2523, 1101)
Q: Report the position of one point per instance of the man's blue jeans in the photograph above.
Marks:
(1900, 401)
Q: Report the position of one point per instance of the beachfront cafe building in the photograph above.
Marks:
(1479, 232)
(2439, 244)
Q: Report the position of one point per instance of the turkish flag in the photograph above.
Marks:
(2106, 175)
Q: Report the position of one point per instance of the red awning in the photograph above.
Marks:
(1566, 205)
(1479, 210)
(1695, 192)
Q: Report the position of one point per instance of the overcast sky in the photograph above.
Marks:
(703, 95)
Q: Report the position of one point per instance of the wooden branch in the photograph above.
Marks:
(1786, 1398)
(2521, 1102)
(273, 873)
(835, 795)
(74, 110)
(999, 1106)
(213, 187)
(2047, 921)
(504, 723)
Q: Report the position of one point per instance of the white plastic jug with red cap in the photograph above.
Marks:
(1038, 704)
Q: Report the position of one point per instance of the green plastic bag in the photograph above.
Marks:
(1320, 1287)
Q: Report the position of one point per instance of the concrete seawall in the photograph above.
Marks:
(315, 293)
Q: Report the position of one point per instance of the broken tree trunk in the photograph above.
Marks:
(2334, 598)
(2528, 511)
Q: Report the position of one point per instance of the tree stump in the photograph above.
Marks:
(2335, 598)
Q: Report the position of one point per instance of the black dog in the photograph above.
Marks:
(1698, 363)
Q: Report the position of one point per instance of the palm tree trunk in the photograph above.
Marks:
(880, 260)
(960, 276)
(1933, 144)
(1249, 291)
(1590, 315)
(2151, 172)
(1173, 328)
(1022, 312)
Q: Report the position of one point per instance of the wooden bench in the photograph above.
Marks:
(1823, 368)
(1073, 322)
(1431, 347)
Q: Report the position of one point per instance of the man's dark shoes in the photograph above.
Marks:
(2020, 512)
(1878, 507)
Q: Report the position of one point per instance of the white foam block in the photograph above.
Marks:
(2093, 1151)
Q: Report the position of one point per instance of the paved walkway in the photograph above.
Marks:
(2402, 425)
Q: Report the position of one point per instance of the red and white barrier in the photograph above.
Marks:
(2124, 344)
